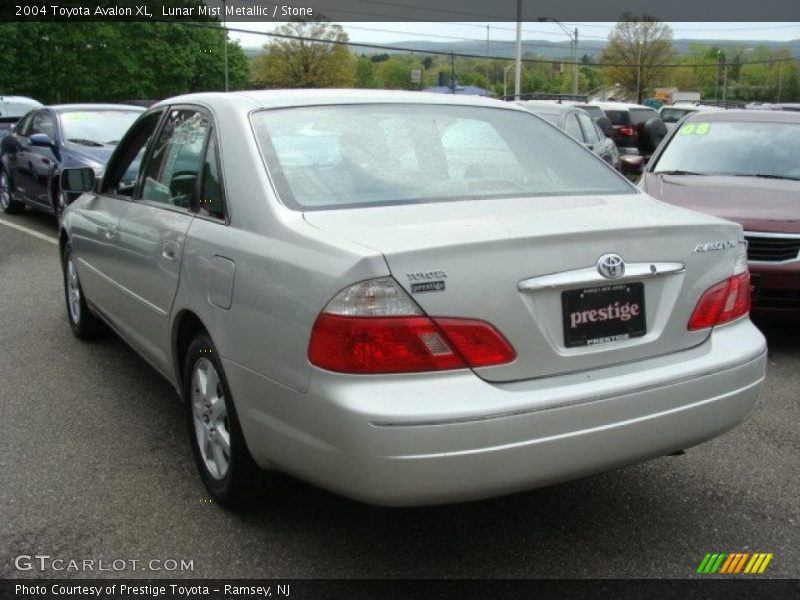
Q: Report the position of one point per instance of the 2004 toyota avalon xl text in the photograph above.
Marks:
(407, 298)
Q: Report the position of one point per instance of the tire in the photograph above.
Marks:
(83, 323)
(7, 202)
(226, 467)
(654, 131)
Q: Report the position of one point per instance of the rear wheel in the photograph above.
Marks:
(7, 202)
(225, 464)
(83, 323)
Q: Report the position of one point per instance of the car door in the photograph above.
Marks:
(35, 163)
(153, 229)
(94, 220)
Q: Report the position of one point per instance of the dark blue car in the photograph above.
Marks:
(52, 138)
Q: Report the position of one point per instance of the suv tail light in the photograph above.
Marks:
(375, 327)
(626, 131)
(727, 300)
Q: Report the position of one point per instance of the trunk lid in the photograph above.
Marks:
(480, 252)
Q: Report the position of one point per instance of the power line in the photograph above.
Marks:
(455, 54)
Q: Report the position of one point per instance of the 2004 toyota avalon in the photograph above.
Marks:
(407, 298)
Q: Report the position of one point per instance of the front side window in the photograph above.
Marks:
(123, 168)
(43, 122)
(174, 165)
(341, 156)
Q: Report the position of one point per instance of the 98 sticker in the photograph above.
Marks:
(696, 129)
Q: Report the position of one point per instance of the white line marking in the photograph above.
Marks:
(30, 231)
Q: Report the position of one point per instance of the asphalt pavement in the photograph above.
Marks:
(95, 464)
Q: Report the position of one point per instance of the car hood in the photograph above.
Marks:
(770, 205)
(96, 154)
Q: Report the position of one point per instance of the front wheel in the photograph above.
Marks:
(83, 323)
(7, 202)
(225, 464)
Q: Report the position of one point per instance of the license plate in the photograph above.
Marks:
(603, 314)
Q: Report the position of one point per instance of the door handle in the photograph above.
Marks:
(170, 250)
(109, 232)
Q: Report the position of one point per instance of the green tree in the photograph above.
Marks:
(299, 62)
(636, 52)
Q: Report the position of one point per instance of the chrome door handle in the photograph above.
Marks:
(170, 250)
(110, 232)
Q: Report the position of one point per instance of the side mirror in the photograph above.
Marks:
(41, 139)
(77, 180)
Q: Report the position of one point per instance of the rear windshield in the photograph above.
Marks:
(642, 115)
(340, 156)
(673, 115)
(619, 117)
(725, 148)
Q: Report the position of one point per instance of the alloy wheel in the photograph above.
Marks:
(210, 415)
(73, 291)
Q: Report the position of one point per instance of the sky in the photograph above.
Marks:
(389, 33)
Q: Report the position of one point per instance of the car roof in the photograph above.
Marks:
(620, 105)
(739, 115)
(537, 107)
(76, 107)
(255, 99)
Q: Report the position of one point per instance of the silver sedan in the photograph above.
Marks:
(407, 298)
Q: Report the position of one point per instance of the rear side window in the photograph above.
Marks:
(343, 156)
(589, 129)
(573, 128)
(673, 115)
(618, 117)
(211, 203)
(594, 111)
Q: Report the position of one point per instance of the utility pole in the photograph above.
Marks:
(716, 82)
(518, 62)
(725, 83)
(780, 81)
(487, 58)
(575, 65)
(452, 73)
(225, 44)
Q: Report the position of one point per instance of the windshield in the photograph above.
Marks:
(372, 154)
(97, 126)
(727, 148)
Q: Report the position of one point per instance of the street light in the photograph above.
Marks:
(573, 45)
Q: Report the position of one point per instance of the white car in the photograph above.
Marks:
(407, 298)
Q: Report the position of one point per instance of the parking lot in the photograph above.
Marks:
(95, 464)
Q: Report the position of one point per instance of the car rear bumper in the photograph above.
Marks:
(448, 437)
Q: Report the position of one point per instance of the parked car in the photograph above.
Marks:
(51, 138)
(407, 298)
(637, 130)
(671, 114)
(743, 166)
(599, 117)
(12, 109)
(576, 123)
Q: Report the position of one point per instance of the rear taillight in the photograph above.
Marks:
(375, 327)
(725, 301)
(626, 131)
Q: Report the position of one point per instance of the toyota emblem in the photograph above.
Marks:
(611, 266)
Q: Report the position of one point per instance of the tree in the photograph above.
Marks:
(111, 62)
(635, 53)
(304, 63)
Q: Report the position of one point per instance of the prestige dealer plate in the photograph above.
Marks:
(603, 314)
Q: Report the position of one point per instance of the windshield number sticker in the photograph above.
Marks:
(695, 129)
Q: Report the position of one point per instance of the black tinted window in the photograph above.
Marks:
(619, 117)
(211, 203)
